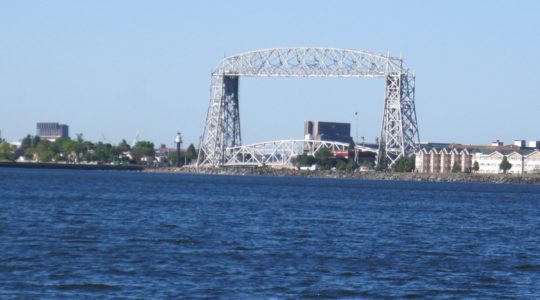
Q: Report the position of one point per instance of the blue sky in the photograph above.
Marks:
(115, 69)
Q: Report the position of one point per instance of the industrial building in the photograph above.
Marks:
(52, 131)
(327, 131)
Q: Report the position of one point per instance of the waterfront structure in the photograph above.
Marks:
(52, 131)
(399, 131)
(534, 144)
(517, 160)
(523, 161)
(489, 159)
(531, 163)
(423, 161)
(443, 160)
(327, 131)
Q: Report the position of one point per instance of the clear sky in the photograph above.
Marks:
(115, 69)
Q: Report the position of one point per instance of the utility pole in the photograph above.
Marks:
(356, 115)
(178, 141)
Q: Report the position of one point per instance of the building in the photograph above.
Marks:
(520, 143)
(497, 143)
(52, 131)
(443, 160)
(489, 160)
(327, 131)
(534, 144)
(531, 163)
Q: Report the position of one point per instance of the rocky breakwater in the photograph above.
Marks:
(446, 177)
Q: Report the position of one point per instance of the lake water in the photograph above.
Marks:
(97, 234)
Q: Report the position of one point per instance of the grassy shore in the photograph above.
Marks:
(447, 177)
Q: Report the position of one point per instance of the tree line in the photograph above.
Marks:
(79, 150)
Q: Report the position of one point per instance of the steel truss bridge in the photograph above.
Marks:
(282, 152)
(221, 139)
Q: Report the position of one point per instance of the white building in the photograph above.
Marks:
(488, 161)
(516, 159)
(534, 144)
(520, 143)
(531, 163)
(523, 161)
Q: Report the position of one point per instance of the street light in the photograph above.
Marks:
(178, 141)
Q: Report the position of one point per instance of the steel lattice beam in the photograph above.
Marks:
(282, 152)
(399, 133)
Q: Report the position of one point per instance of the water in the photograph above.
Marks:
(97, 234)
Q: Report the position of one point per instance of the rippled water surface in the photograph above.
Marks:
(96, 234)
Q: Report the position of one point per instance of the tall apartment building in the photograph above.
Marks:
(327, 131)
(52, 131)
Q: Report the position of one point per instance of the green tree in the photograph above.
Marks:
(103, 153)
(351, 145)
(382, 166)
(323, 157)
(346, 165)
(184, 157)
(28, 146)
(69, 149)
(456, 168)
(7, 151)
(46, 155)
(351, 165)
(305, 160)
(476, 166)
(404, 164)
(505, 165)
(367, 163)
(191, 153)
(46, 151)
(143, 148)
(341, 165)
(123, 146)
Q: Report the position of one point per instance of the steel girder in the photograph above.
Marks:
(399, 133)
(281, 152)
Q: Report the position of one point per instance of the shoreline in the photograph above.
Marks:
(422, 177)
(33, 165)
(335, 174)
